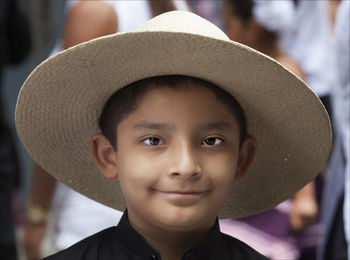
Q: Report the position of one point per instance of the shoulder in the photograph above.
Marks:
(93, 10)
(88, 20)
(240, 250)
(88, 248)
(99, 9)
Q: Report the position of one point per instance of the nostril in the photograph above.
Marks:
(187, 171)
(175, 174)
(195, 175)
(185, 175)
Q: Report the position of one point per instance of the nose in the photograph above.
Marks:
(184, 162)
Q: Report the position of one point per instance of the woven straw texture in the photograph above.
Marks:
(59, 104)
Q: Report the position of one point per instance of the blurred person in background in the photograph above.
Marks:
(15, 45)
(259, 24)
(335, 241)
(86, 20)
(319, 41)
(308, 41)
(74, 215)
(210, 10)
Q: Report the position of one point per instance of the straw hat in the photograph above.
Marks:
(60, 102)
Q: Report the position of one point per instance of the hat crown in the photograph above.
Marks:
(183, 22)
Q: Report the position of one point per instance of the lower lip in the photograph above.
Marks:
(183, 197)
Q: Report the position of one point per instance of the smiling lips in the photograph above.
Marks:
(183, 197)
(180, 192)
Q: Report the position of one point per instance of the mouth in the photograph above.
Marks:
(184, 192)
(183, 197)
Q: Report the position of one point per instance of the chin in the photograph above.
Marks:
(183, 219)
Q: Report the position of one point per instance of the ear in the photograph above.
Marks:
(246, 157)
(104, 155)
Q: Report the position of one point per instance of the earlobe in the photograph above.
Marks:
(246, 157)
(104, 155)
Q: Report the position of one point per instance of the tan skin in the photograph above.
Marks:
(180, 150)
(332, 9)
(86, 20)
(304, 209)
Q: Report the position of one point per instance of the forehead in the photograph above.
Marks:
(190, 103)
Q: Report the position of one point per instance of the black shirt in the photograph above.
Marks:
(123, 242)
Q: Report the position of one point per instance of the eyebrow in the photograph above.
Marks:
(153, 126)
(219, 125)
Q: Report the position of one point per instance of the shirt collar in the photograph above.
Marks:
(133, 241)
(136, 244)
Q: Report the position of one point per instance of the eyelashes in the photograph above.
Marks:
(212, 141)
(153, 141)
(208, 141)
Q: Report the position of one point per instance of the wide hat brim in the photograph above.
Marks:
(60, 102)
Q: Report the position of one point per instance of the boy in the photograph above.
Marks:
(174, 115)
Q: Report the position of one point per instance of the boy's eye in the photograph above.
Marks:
(153, 141)
(212, 141)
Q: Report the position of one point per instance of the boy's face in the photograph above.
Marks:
(177, 158)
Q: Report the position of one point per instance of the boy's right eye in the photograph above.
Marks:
(153, 141)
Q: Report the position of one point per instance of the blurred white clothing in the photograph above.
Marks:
(342, 99)
(308, 42)
(275, 16)
(77, 217)
(338, 179)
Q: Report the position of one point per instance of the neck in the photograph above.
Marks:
(171, 243)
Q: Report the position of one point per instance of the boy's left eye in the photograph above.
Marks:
(211, 141)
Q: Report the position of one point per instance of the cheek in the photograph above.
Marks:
(223, 181)
(137, 172)
(221, 170)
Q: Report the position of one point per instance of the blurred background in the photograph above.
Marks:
(310, 38)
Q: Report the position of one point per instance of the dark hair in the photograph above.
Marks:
(242, 9)
(126, 100)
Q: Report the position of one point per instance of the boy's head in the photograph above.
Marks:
(183, 121)
(181, 143)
